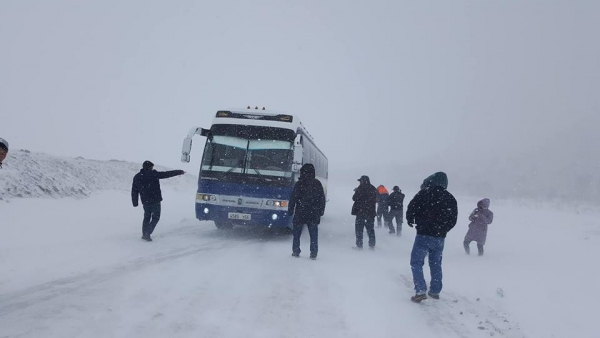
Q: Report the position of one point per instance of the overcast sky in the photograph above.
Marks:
(378, 83)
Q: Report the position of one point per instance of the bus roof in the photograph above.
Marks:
(259, 117)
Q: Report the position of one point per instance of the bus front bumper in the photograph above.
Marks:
(243, 216)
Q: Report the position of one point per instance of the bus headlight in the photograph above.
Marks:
(206, 210)
(277, 204)
(206, 197)
(274, 217)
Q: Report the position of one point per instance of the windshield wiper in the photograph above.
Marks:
(231, 169)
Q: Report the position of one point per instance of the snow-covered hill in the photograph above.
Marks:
(29, 174)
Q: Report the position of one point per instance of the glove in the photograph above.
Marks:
(410, 225)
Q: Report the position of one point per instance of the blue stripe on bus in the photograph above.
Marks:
(238, 189)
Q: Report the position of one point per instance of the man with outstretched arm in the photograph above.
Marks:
(146, 185)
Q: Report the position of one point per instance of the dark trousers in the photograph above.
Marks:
(151, 218)
(381, 214)
(313, 231)
(468, 249)
(397, 214)
(362, 223)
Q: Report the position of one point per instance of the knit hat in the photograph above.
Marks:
(147, 165)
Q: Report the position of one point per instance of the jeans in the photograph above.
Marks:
(313, 231)
(151, 218)
(362, 223)
(423, 246)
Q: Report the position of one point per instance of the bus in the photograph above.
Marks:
(251, 161)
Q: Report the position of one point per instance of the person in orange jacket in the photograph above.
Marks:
(382, 205)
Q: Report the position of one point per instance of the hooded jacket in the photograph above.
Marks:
(307, 203)
(146, 185)
(365, 198)
(433, 209)
(480, 218)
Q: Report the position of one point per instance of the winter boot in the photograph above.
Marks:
(433, 295)
(418, 298)
(295, 254)
(147, 238)
(313, 256)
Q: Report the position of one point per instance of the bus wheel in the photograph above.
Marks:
(223, 225)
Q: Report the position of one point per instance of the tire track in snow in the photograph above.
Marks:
(60, 287)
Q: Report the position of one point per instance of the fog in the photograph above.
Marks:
(501, 95)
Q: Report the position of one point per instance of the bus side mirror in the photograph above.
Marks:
(186, 149)
(296, 167)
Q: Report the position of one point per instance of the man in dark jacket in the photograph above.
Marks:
(147, 186)
(396, 202)
(435, 211)
(365, 198)
(307, 205)
(3, 150)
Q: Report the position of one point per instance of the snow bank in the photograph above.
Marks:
(29, 174)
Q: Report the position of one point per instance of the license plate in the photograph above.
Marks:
(235, 215)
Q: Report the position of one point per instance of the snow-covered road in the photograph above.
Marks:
(77, 268)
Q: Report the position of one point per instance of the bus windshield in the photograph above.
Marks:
(229, 157)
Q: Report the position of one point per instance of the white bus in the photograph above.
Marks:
(250, 164)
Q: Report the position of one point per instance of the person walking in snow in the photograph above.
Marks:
(396, 202)
(3, 150)
(365, 198)
(434, 211)
(307, 205)
(480, 218)
(382, 205)
(146, 185)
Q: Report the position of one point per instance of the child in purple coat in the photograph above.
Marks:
(480, 219)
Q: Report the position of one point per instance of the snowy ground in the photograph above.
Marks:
(77, 268)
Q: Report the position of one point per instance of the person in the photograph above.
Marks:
(307, 205)
(480, 218)
(365, 198)
(382, 205)
(146, 186)
(396, 202)
(3, 150)
(434, 211)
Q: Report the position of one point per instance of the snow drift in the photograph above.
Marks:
(30, 174)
